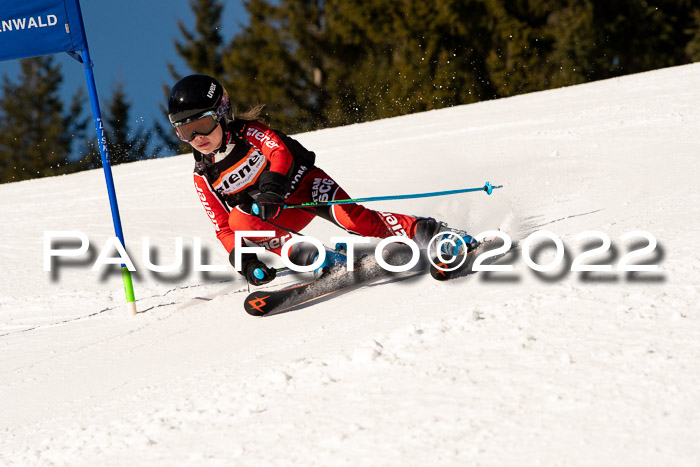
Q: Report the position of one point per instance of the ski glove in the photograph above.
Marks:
(271, 198)
(255, 271)
(269, 205)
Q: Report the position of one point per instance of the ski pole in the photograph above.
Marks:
(488, 188)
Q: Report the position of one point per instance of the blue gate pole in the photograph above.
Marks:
(107, 168)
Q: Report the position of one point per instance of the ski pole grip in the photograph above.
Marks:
(259, 273)
(256, 211)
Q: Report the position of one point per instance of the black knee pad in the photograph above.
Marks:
(426, 229)
(303, 253)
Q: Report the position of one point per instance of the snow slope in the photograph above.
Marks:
(559, 368)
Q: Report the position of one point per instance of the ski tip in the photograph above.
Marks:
(441, 271)
(257, 304)
(439, 274)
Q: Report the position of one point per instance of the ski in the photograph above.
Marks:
(267, 302)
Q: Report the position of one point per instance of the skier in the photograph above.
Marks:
(240, 162)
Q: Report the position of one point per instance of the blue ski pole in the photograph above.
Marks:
(488, 188)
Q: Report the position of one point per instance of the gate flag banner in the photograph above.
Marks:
(30, 28)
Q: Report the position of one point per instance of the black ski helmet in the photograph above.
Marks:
(195, 94)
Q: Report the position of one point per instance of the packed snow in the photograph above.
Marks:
(502, 368)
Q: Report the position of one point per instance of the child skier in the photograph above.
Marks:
(240, 162)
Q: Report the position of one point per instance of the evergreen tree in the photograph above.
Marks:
(642, 36)
(36, 135)
(123, 143)
(410, 56)
(171, 144)
(318, 63)
(201, 48)
(164, 133)
(201, 51)
(542, 44)
(576, 51)
(278, 60)
(537, 44)
(692, 48)
(85, 151)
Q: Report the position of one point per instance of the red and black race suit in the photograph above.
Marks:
(227, 181)
(229, 177)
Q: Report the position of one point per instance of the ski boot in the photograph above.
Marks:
(305, 254)
(335, 259)
(435, 236)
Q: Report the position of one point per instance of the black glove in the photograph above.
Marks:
(269, 205)
(271, 198)
(255, 271)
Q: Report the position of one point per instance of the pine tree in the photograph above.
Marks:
(575, 52)
(519, 45)
(278, 60)
(542, 44)
(318, 63)
(85, 151)
(36, 135)
(201, 48)
(123, 143)
(410, 56)
(692, 48)
(170, 143)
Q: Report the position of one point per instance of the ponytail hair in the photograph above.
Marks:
(253, 113)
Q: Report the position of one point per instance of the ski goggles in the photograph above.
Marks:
(204, 126)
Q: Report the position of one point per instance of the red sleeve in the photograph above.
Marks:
(216, 211)
(271, 146)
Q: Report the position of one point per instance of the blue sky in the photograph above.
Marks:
(131, 41)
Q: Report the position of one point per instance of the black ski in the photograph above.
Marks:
(462, 264)
(266, 302)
